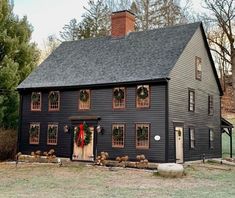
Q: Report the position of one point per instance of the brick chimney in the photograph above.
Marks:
(123, 22)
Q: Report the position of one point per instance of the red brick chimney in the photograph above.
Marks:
(123, 22)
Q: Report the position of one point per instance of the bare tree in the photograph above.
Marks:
(222, 27)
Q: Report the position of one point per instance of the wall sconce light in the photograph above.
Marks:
(66, 128)
(100, 129)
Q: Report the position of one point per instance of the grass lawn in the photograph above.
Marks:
(226, 142)
(40, 180)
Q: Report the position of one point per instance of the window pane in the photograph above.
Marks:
(119, 98)
(142, 96)
(52, 133)
(54, 100)
(84, 99)
(142, 135)
(34, 132)
(118, 135)
(36, 101)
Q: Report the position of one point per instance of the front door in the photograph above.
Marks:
(179, 144)
(83, 152)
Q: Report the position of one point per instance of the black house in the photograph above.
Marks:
(153, 92)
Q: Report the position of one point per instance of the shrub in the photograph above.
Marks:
(8, 143)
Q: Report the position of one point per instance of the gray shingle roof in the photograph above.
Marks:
(146, 55)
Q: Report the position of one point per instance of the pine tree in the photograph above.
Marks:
(17, 59)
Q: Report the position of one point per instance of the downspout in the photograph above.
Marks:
(167, 120)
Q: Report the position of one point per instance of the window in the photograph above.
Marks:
(198, 66)
(192, 137)
(54, 101)
(142, 96)
(34, 133)
(119, 98)
(211, 139)
(84, 99)
(52, 133)
(142, 136)
(191, 100)
(118, 131)
(210, 105)
(36, 101)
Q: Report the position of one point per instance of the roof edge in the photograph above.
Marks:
(166, 79)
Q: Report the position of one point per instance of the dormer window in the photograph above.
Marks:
(198, 68)
(142, 96)
(54, 101)
(119, 98)
(84, 99)
(36, 101)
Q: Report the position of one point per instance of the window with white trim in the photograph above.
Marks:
(118, 131)
(52, 134)
(142, 135)
(142, 96)
(119, 98)
(34, 133)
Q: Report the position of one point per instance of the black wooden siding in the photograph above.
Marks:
(101, 105)
(183, 78)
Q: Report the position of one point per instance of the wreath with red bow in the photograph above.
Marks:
(82, 135)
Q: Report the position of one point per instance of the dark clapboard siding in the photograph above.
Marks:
(182, 78)
(101, 105)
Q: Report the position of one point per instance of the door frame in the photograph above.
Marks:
(178, 124)
(90, 124)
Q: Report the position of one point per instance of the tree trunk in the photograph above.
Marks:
(233, 74)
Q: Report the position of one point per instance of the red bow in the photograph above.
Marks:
(81, 135)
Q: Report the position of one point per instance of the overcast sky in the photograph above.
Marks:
(49, 16)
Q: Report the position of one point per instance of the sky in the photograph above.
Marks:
(48, 17)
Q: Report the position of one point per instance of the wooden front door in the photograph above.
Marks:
(179, 148)
(85, 153)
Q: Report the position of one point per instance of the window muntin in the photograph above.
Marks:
(143, 96)
(54, 101)
(211, 138)
(192, 137)
(52, 134)
(36, 100)
(118, 131)
(210, 105)
(84, 99)
(142, 135)
(198, 66)
(34, 133)
(191, 100)
(119, 98)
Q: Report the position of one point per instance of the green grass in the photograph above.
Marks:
(34, 180)
(226, 142)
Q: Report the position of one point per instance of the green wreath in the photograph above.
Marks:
(53, 97)
(142, 133)
(84, 95)
(118, 94)
(117, 133)
(87, 132)
(142, 92)
(35, 97)
(33, 131)
(52, 131)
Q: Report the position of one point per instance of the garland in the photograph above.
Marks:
(54, 96)
(82, 135)
(35, 97)
(84, 95)
(117, 133)
(118, 94)
(142, 133)
(142, 92)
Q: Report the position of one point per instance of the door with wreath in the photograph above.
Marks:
(83, 143)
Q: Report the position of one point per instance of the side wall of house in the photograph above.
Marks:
(182, 79)
(101, 105)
